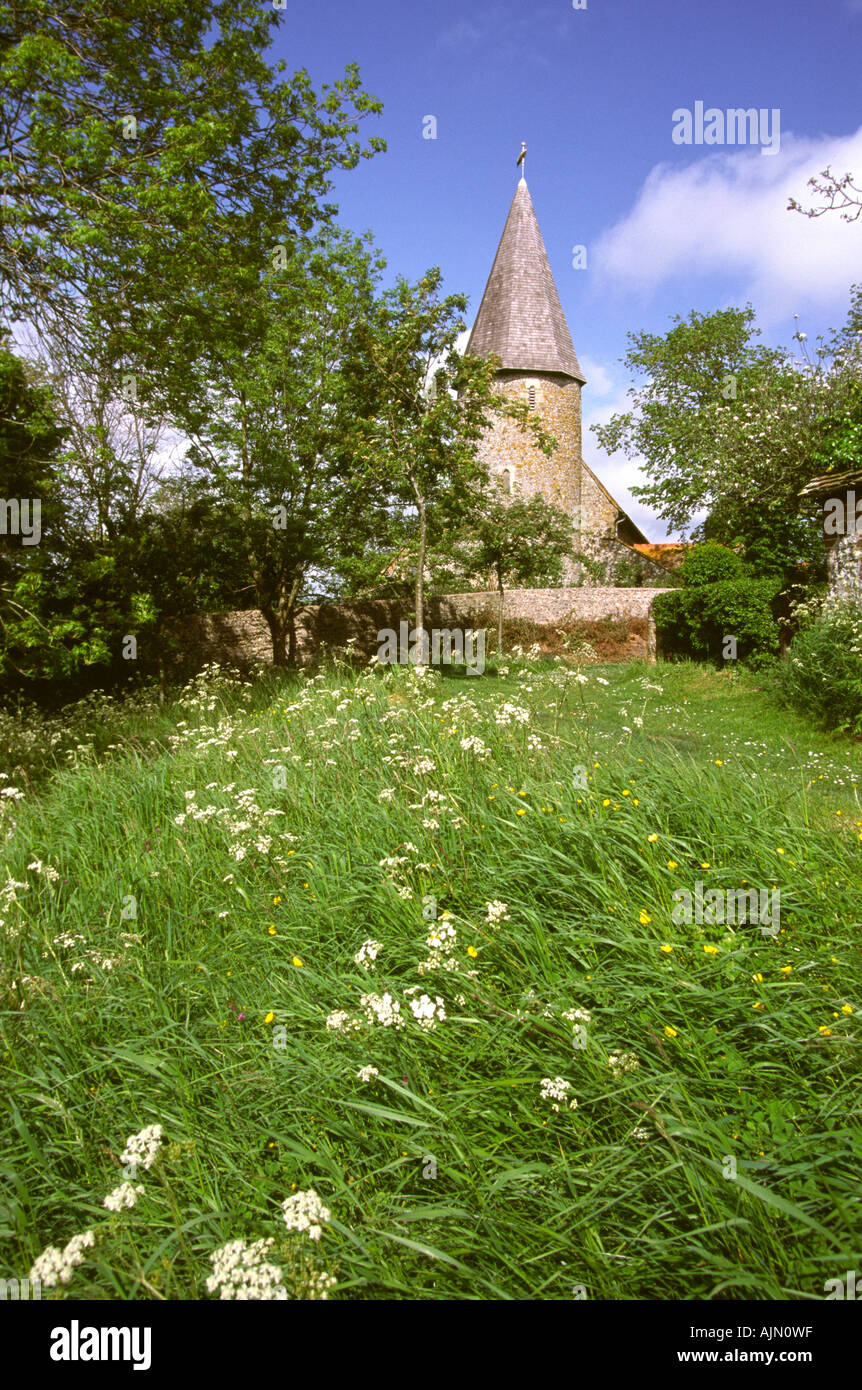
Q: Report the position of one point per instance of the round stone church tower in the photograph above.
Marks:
(521, 323)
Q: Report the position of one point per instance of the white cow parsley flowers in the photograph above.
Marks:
(123, 1197)
(304, 1211)
(557, 1090)
(578, 1016)
(382, 1008)
(621, 1062)
(427, 1012)
(143, 1149)
(367, 954)
(55, 1265)
(367, 1073)
(241, 1272)
(496, 912)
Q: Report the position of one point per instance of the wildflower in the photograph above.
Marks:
(607, 801)
(383, 1008)
(144, 1148)
(827, 1032)
(556, 1090)
(122, 1197)
(270, 1016)
(304, 1211)
(496, 912)
(367, 1073)
(652, 839)
(670, 1032)
(367, 954)
(55, 1265)
(758, 1005)
(758, 978)
(240, 1272)
(710, 950)
(672, 864)
(337, 1020)
(578, 1016)
(297, 962)
(846, 1008)
(473, 953)
(621, 1062)
(428, 1012)
(272, 931)
(666, 947)
(644, 918)
(786, 969)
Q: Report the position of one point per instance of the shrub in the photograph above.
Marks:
(694, 621)
(710, 563)
(823, 674)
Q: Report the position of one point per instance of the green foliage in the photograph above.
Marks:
(709, 564)
(822, 676)
(730, 427)
(195, 1016)
(694, 621)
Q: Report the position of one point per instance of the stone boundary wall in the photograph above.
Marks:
(242, 638)
(552, 606)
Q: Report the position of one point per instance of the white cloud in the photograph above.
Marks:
(599, 381)
(726, 214)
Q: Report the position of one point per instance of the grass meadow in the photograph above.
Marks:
(406, 942)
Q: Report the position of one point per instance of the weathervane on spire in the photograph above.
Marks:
(522, 157)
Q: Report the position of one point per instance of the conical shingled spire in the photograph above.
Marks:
(520, 319)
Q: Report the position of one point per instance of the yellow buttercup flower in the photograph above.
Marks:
(670, 1032)
(269, 1018)
(607, 801)
(672, 864)
(297, 962)
(666, 948)
(652, 839)
(710, 950)
(827, 1032)
(786, 969)
(522, 811)
(758, 978)
(472, 952)
(644, 918)
(846, 1008)
(272, 931)
(704, 864)
(758, 1005)
(626, 792)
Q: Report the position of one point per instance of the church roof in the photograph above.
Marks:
(520, 319)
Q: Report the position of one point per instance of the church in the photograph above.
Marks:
(521, 323)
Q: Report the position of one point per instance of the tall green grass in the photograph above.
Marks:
(723, 1165)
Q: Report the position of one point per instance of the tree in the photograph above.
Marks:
(841, 194)
(727, 427)
(141, 144)
(521, 541)
(423, 409)
(266, 406)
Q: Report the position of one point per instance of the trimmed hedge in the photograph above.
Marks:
(694, 621)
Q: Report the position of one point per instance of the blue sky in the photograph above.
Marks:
(668, 227)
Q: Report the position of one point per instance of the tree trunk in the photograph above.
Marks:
(500, 616)
(420, 577)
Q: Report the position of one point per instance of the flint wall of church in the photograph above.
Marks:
(558, 402)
